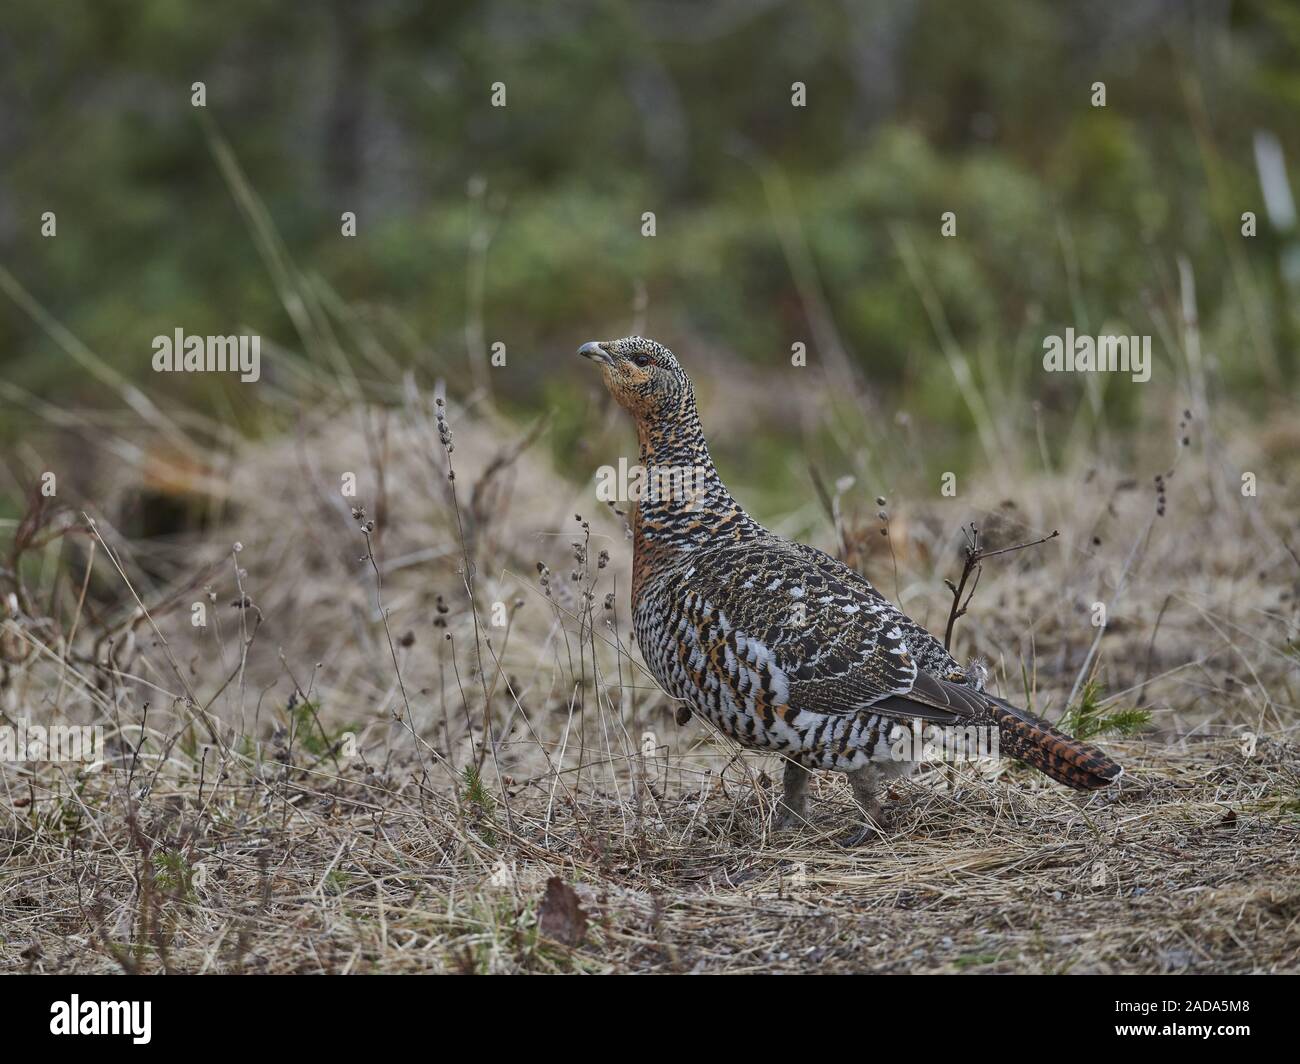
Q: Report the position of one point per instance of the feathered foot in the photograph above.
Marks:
(793, 810)
(863, 781)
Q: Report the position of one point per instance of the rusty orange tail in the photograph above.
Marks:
(1036, 743)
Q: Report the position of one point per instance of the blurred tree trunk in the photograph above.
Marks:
(344, 122)
(877, 41)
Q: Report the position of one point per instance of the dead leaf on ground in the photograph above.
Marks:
(561, 916)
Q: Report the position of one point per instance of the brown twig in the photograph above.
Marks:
(975, 555)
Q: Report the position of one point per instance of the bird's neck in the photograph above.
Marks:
(683, 503)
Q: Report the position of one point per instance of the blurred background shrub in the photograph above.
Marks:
(775, 224)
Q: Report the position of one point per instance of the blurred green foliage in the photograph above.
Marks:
(1067, 214)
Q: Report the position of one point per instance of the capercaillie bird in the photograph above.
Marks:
(779, 645)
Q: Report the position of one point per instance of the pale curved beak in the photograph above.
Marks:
(597, 353)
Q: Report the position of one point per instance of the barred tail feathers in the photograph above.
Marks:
(1039, 745)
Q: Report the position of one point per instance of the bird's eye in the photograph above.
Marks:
(641, 359)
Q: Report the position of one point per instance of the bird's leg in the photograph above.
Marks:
(794, 802)
(863, 781)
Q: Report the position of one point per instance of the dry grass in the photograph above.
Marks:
(1190, 867)
(312, 784)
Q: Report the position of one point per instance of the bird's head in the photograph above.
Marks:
(644, 377)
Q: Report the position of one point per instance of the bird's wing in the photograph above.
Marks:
(835, 646)
(930, 653)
